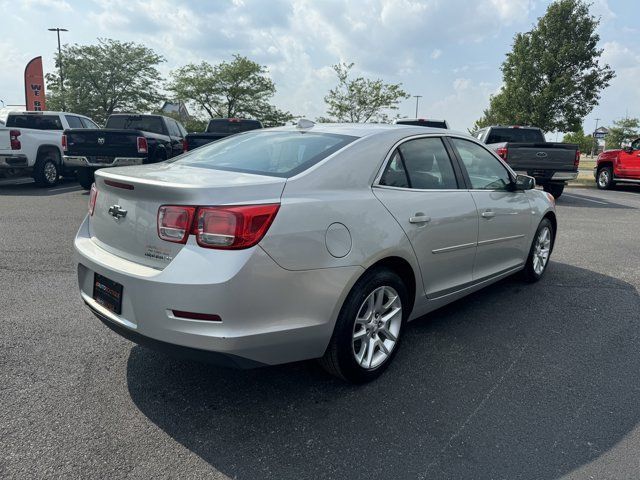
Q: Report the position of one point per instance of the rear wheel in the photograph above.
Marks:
(540, 251)
(46, 172)
(554, 189)
(367, 333)
(604, 178)
(85, 178)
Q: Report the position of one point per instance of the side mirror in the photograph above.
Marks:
(525, 182)
(628, 149)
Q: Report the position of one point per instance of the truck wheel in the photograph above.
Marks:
(368, 331)
(85, 178)
(46, 171)
(604, 178)
(554, 189)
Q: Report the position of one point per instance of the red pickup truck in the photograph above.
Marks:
(618, 166)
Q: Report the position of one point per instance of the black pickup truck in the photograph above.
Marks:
(219, 128)
(127, 139)
(526, 151)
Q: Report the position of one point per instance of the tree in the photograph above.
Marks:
(585, 142)
(240, 88)
(361, 99)
(624, 130)
(552, 78)
(104, 78)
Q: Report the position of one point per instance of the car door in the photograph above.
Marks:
(176, 137)
(424, 190)
(629, 161)
(504, 214)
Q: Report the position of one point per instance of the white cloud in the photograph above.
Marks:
(436, 53)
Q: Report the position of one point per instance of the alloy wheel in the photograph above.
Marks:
(50, 172)
(542, 250)
(377, 327)
(603, 178)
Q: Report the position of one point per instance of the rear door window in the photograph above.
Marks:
(73, 121)
(88, 123)
(136, 122)
(231, 126)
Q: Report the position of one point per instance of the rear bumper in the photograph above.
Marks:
(269, 315)
(550, 176)
(13, 161)
(78, 161)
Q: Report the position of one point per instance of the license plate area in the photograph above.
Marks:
(107, 293)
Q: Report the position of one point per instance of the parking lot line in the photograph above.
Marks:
(585, 199)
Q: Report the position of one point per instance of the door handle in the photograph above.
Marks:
(419, 219)
(488, 214)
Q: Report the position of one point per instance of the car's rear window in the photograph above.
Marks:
(278, 154)
(135, 122)
(517, 135)
(232, 126)
(35, 121)
(423, 123)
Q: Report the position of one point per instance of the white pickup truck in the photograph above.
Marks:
(31, 144)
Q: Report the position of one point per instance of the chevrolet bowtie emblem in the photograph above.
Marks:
(117, 212)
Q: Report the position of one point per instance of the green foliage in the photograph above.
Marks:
(623, 130)
(585, 142)
(552, 77)
(361, 99)
(240, 88)
(104, 78)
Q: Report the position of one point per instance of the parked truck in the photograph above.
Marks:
(525, 149)
(127, 139)
(218, 128)
(621, 165)
(31, 144)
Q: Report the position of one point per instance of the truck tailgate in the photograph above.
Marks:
(542, 156)
(103, 142)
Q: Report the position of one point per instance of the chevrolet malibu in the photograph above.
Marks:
(303, 242)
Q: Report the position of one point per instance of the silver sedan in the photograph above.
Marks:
(315, 241)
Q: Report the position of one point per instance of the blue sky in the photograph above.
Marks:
(448, 51)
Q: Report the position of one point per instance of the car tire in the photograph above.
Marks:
(604, 178)
(85, 178)
(554, 189)
(363, 343)
(540, 252)
(46, 171)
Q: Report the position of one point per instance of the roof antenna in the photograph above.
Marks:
(303, 124)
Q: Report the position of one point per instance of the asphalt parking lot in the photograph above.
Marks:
(516, 381)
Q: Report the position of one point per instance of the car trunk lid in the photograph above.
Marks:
(141, 191)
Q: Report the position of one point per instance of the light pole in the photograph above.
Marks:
(595, 140)
(417, 97)
(58, 30)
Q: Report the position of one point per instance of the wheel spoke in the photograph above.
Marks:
(382, 346)
(387, 333)
(370, 351)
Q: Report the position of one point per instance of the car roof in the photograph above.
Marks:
(45, 113)
(368, 129)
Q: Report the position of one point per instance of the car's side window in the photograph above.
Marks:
(636, 144)
(485, 171)
(73, 121)
(395, 174)
(428, 164)
(88, 123)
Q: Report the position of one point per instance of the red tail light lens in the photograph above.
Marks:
(233, 227)
(502, 152)
(142, 145)
(15, 141)
(93, 196)
(64, 143)
(174, 223)
(576, 162)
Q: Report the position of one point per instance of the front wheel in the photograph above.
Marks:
(604, 178)
(554, 189)
(367, 333)
(540, 251)
(85, 178)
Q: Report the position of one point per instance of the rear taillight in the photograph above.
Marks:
(576, 162)
(185, 145)
(93, 196)
(233, 227)
(15, 141)
(502, 152)
(174, 223)
(142, 145)
(64, 143)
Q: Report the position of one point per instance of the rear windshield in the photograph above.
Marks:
(146, 124)
(232, 126)
(518, 135)
(37, 122)
(423, 123)
(277, 154)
